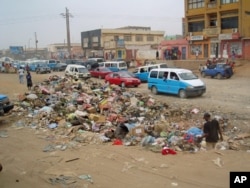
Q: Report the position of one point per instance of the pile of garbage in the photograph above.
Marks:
(73, 112)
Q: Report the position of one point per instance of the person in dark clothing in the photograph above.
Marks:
(212, 131)
(29, 80)
(157, 54)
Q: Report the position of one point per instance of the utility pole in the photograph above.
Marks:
(36, 41)
(67, 15)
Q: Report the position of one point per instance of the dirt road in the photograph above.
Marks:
(107, 166)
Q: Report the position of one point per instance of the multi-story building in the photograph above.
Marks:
(218, 28)
(121, 43)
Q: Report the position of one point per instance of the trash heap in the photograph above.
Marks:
(71, 113)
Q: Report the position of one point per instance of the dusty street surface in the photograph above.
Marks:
(106, 166)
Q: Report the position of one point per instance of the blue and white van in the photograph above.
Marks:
(143, 71)
(181, 82)
(114, 66)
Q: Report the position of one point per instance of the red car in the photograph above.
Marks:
(100, 72)
(123, 79)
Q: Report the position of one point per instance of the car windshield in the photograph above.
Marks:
(83, 70)
(187, 76)
(125, 75)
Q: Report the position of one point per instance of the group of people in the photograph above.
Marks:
(172, 54)
(21, 73)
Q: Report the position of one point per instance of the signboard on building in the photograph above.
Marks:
(16, 50)
(197, 37)
(225, 36)
(120, 43)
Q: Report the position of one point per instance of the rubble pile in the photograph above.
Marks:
(71, 113)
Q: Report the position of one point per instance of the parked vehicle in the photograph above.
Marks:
(33, 65)
(219, 70)
(122, 79)
(100, 72)
(51, 63)
(89, 64)
(114, 66)
(43, 69)
(181, 82)
(60, 67)
(72, 61)
(143, 71)
(77, 71)
(5, 104)
(97, 59)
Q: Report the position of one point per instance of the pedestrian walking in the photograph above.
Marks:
(29, 80)
(21, 75)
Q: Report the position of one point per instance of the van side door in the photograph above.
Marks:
(114, 66)
(173, 83)
(162, 82)
(142, 74)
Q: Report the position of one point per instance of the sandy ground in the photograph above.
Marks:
(106, 166)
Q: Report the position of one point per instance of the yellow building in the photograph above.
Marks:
(218, 28)
(121, 43)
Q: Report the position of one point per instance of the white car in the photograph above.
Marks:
(77, 71)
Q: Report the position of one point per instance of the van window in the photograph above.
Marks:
(143, 70)
(153, 74)
(173, 76)
(113, 64)
(163, 75)
(122, 64)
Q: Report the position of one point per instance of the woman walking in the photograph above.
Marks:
(29, 80)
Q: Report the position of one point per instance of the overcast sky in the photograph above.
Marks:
(21, 19)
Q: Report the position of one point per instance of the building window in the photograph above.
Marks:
(229, 23)
(213, 23)
(196, 26)
(85, 42)
(192, 4)
(228, 1)
(127, 38)
(138, 38)
(150, 38)
(95, 39)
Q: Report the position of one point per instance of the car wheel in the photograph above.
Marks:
(182, 94)
(203, 74)
(219, 76)
(154, 90)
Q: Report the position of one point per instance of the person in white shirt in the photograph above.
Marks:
(21, 75)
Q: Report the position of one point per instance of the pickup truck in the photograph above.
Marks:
(5, 104)
(219, 70)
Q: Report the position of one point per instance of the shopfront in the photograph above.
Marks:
(231, 46)
(198, 47)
